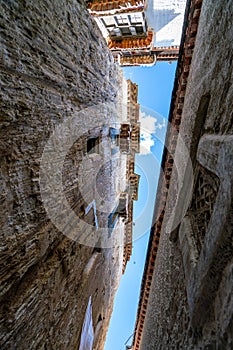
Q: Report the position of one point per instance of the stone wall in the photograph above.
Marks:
(53, 63)
(190, 304)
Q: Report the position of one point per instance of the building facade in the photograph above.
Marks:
(61, 126)
(186, 291)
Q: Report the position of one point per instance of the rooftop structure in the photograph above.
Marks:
(140, 32)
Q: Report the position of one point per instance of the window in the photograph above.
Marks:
(202, 204)
(112, 220)
(133, 30)
(93, 145)
(87, 335)
(122, 19)
(108, 21)
(116, 31)
(136, 18)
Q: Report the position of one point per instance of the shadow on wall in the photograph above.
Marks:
(159, 18)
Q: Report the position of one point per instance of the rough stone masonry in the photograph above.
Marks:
(191, 301)
(53, 63)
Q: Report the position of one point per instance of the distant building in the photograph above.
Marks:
(140, 32)
(130, 145)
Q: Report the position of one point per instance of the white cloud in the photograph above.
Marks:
(146, 143)
(149, 127)
(147, 122)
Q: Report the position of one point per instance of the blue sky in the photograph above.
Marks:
(155, 88)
